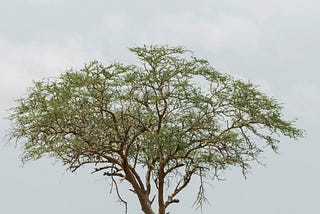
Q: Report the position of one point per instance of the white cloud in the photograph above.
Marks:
(115, 22)
(20, 63)
(49, 1)
(218, 32)
(305, 100)
(266, 9)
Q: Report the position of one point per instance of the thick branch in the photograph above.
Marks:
(148, 177)
(142, 196)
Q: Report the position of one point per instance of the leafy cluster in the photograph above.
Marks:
(172, 114)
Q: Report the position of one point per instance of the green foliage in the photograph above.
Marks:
(173, 112)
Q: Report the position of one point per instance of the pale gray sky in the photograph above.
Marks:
(274, 43)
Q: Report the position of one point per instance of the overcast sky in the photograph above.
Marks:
(273, 43)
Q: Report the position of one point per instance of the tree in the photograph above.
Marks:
(171, 115)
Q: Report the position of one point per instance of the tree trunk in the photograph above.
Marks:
(161, 205)
(146, 206)
(143, 197)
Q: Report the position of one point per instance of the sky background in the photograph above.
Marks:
(272, 43)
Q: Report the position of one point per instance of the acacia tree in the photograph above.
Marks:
(155, 125)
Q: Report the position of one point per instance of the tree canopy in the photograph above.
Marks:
(171, 115)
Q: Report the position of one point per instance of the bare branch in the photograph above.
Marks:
(201, 198)
(180, 186)
(119, 196)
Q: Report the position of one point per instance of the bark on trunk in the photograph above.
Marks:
(143, 197)
(145, 205)
(161, 205)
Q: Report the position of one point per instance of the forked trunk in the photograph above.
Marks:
(143, 197)
(145, 205)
